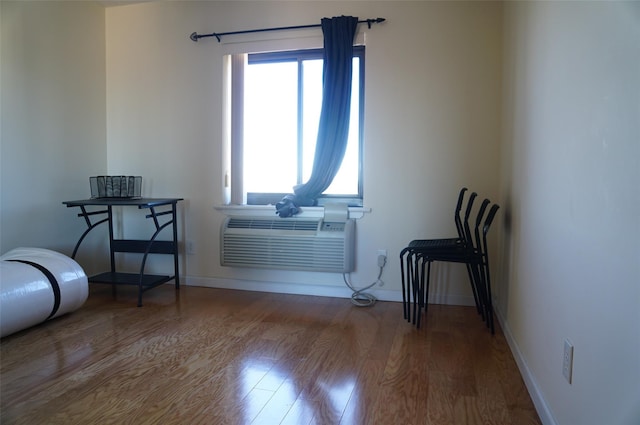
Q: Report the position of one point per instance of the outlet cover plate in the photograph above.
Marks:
(567, 363)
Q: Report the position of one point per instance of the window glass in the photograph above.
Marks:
(270, 130)
(282, 102)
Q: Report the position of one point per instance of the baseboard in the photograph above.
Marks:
(316, 290)
(541, 405)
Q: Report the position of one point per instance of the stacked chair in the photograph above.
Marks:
(469, 247)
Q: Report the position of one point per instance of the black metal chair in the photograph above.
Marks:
(407, 254)
(474, 253)
(426, 251)
(411, 257)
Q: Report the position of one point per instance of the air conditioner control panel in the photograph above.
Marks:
(332, 226)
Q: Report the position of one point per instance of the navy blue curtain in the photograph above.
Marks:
(333, 130)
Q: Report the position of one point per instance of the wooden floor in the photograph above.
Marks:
(208, 356)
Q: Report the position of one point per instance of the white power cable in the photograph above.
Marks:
(359, 297)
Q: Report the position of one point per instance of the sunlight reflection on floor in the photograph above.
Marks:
(270, 395)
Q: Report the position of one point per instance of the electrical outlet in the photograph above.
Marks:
(191, 248)
(567, 363)
(382, 257)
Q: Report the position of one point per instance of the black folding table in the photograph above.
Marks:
(162, 211)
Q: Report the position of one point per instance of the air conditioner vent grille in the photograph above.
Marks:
(276, 224)
(286, 244)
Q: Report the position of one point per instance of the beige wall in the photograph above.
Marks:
(431, 122)
(571, 248)
(536, 106)
(53, 134)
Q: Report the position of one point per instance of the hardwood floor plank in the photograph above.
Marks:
(209, 356)
(299, 414)
(404, 389)
(359, 409)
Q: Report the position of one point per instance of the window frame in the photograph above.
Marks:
(355, 199)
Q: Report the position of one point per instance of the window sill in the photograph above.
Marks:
(270, 211)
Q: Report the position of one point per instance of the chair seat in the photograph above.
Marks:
(419, 244)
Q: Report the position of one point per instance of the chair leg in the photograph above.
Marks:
(410, 286)
(426, 279)
(416, 281)
(422, 292)
(407, 283)
(420, 281)
(416, 289)
(474, 289)
(426, 293)
(402, 277)
(487, 316)
(478, 284)
(489, 301)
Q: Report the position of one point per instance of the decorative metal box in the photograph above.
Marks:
(116, 186)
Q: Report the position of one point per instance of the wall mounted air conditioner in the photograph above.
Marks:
(288, 244)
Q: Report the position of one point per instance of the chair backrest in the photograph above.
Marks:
(479, 218)
(492, 213)
(487, 224)
(467, 213)
(466, 228)
(457, 217)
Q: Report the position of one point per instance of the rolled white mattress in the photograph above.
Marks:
(36, 285)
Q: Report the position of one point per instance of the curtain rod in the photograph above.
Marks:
(195, 36)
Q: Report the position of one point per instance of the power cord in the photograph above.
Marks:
(359, 297)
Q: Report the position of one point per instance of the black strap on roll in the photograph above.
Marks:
(52, 280)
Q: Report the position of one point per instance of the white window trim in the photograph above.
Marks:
(293, 40)
(270, 211)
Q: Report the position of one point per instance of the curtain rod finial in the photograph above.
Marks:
(374, 21)
(194, 36)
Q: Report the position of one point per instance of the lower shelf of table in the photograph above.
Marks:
(148, 280)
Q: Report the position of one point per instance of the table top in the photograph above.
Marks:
(140, 202)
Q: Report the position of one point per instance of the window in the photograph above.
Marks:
(274, 141)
